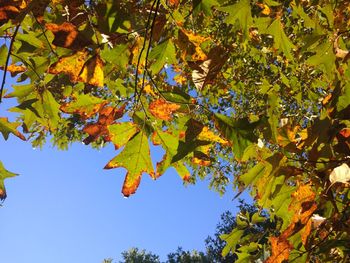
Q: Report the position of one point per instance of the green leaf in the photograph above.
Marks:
(31, 38)
(239, 132)
(162, 54)
(136, 159)
(85, 105)
(4, 174)
(3, 55)
(121, 133)
(344, 100)
(118, 55)
(281, 41)
(325, 58)
(232, 240)
(7, 127)
(21, 91)
(240, 12)
(50, 110)
(204, 6)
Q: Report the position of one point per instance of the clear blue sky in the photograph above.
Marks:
(65, 208)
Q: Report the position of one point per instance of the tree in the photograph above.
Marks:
(134, 255)
(254, 92)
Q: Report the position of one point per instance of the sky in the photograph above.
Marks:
(64, 207)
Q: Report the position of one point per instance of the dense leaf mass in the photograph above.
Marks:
(252, 92)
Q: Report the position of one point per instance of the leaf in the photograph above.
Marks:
(163, 109)
(232, 240)
(136, 158)
(107, 116)
(4, 174)
(85, 105)
(281, 41)
(50, 109)
(170, 143)
(280, 249)
(7, 127)
(204, 6)
(344, 99)
(340, 174)
(240, 12)
(121, 133)
(118, 56)
(15, 69)
(206, 72)
(68, 36)
(240, 133)
(78, 68)
(162, 54)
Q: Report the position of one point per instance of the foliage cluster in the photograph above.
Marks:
(250, 92)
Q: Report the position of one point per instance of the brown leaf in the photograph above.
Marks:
(107, 116)
(163, 109)
(9, 9)
(68, 36)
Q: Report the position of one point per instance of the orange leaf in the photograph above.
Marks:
(9, 9)
(107, 116)
(163, 109)
(15, 69)
(67, 36)
(280, 249)
(78, 68)
(345, 132)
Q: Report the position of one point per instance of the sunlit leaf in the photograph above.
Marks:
(4, 174)
(7, 127)
(135, 158)
(163, 109)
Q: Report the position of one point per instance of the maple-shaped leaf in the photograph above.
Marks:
(7, 127)
(85, 105)
(170, 143)
(240, 12)
(107, 116)
(162, 54)
(68, 36)
(3, 175)
(162, 109)
(121, 133)
(136, 159)
(281, 41)
(79, 68)
(280, 248)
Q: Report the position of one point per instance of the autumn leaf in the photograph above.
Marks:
(163, 109)
(9, 9)
(79, 68)
(85, 105)
(107, 116)
(280, 248)
(14, 69)
(4, 174)
(136, 159)
(121, 133)
(68, 36)
(7, 127)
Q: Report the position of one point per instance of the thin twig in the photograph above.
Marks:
(8, 60)
(149, 48)
(144, 45)
(44, 33)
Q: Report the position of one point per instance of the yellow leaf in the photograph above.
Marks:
(78, 68)
(207, 135)
(340, 174)
(163, 109)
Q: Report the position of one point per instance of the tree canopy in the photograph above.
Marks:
(253, 94)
